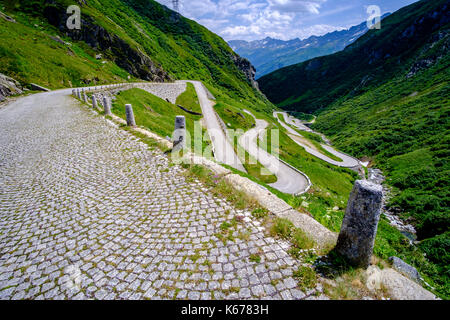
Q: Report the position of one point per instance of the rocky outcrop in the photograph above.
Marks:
(131, 59)
(425, 60)
(9, 87)
(247, 68)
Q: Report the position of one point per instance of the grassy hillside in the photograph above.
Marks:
(158, 115)
(174, 45)
(386, 97)
(404, 126)
(372, 60)
(31, 52)
(189, 99)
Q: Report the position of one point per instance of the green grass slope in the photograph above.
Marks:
(177, 46)
(31, 53)
(372, 60)
(189, 99)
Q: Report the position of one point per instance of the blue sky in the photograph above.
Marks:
(281, 19)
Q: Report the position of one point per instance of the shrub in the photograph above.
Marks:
(437, 249)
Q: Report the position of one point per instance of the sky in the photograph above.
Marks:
(280, 19)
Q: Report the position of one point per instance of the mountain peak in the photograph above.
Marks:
(269, 54)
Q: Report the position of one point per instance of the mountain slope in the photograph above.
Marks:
(145, 39)
(373, 59)
(269, 54)
(386, 97)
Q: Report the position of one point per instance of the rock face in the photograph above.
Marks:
(359, 227)
(404, 268)
(247, 68)
(425, 62)
(8, 87)
(130, 59)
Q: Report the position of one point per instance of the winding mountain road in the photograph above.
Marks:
(347, 161)
(223, 150)
(289, 180)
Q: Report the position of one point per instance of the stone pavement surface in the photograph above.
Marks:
(165, 91)
(87, 211)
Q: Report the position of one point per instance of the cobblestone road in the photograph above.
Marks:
(89, 212)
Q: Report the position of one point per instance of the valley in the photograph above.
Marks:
(388, 107)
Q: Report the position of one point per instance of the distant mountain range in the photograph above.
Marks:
(270, 54)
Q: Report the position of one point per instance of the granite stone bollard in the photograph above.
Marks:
(359, 227)
(85, 97)
(106, 106)
(130, 115)
(78, 94)
(94, 102)
(179, 135)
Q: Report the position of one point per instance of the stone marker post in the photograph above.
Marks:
(130, 115)
(359, 227)
(84, 96)
(94, 102)
(106, 106)
(78, 94)
(179, 135)
(73, 92)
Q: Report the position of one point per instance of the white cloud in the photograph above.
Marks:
(255, 19)
(311, 6)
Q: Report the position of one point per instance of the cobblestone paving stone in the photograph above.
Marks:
(89, 212)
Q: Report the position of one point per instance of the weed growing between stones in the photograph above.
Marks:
(220, 188)
(285, 229)
(255, 258)
(259, 213)
(306, 278)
